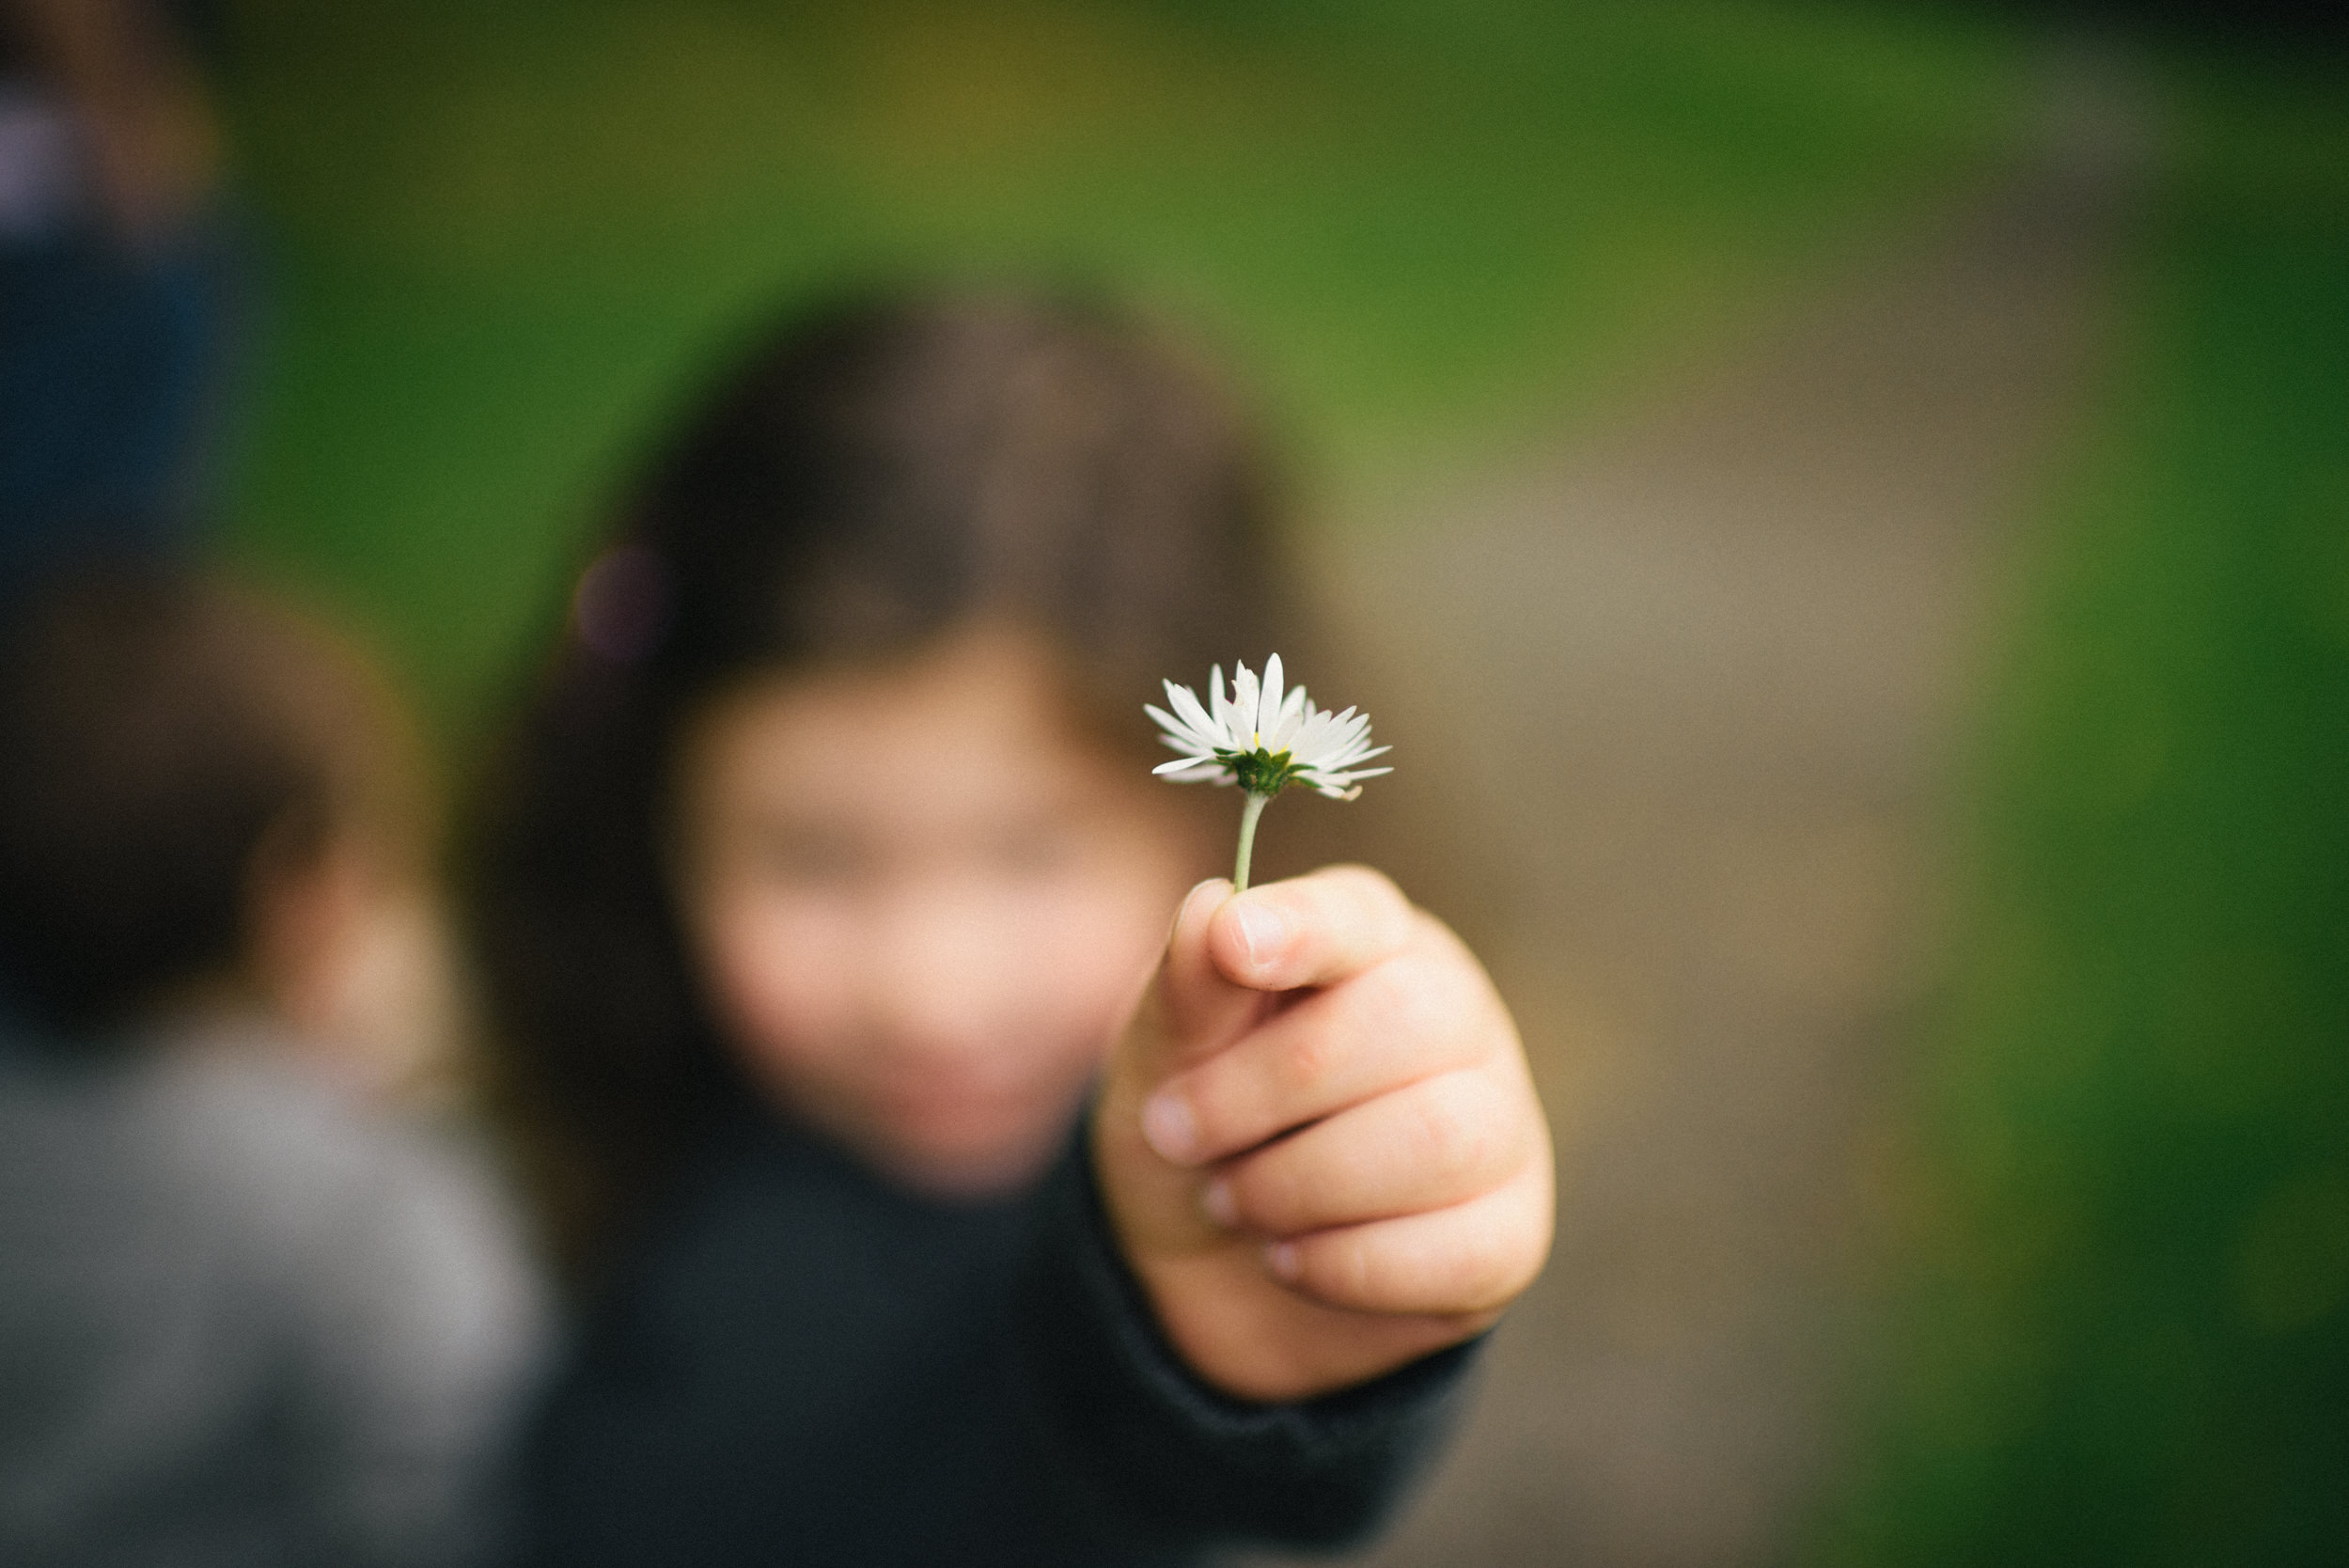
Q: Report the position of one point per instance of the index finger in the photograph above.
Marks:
(1308, 931)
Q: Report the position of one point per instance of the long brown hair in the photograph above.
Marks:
(872, 478)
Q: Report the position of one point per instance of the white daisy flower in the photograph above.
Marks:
(1263, 738)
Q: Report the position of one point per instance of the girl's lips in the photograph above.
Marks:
(937, 1088)
(967, 1114)
(953, 1108)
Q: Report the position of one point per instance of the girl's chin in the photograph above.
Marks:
(968, 1164)
(969, 1146)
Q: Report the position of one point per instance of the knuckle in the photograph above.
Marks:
(1370, 897)
(1447, 1132)
(1383, 997)
(1509, 1249)
(1479, 1273)
(1309, 1055)
(1434, 945)
(1391, 915)
(1411, 999)
(1356, 880)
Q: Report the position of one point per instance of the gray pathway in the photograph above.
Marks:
(1704, 674)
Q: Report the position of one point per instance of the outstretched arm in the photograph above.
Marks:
(1318, 1146)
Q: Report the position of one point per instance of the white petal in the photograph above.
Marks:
(1172, 726)
(1291, 719)
(1244, 698)
(1268, 700)
(1322, 739)
(1202, 727)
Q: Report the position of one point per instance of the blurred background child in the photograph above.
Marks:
(821, 875)
(244, 1316)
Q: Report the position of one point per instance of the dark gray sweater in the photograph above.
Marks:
(245, 1322)
(806, 1366)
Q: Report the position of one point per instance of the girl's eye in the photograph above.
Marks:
(1038, 850)
(812, 857)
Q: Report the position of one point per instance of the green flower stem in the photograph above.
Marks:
(1249, 814)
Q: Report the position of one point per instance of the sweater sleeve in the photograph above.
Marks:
(406, 1323)
(422, 1330)
(1148, 1455)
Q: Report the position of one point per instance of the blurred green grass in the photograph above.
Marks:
(2119, 1314)
(511, 232)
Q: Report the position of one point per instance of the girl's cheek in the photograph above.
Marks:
(1111, 930)
(777, 968)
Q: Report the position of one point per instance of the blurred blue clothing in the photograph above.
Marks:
(109, 379)
(245, 1322)
(116, 360)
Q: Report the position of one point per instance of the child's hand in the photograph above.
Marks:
(1317, 1143)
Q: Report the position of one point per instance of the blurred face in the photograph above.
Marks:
(922, 904)
(351, 953)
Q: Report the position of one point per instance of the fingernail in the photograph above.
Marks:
(1281, 1257)
(1264, 931)
(1216, 1199)
(1182, 910)
(1168, 1126)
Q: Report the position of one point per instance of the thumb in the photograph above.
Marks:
(1192, 1009)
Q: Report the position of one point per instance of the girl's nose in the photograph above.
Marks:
(940, 979)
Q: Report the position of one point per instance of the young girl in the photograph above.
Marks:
(823, 880)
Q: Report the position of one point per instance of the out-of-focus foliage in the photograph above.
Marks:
(512, 232)
(2122, 1323)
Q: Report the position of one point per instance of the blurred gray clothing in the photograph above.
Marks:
(244, 1321)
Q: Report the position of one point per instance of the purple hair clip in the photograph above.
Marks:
(622, 605)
